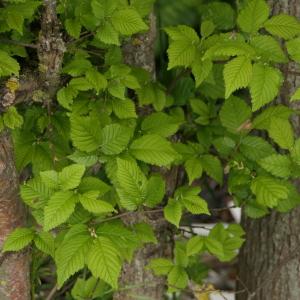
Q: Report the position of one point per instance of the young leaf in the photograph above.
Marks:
(237, 74)
(115, 139)
(58, 209)
(96, 79)
(253, 15)
(12, 119)
(212, 166)
(70, 256)
(296, 95)
(18, 239)
(293, 49)
(284, 26)
(128, 21)
(8, 65)
(173, 212)
(155, 191)
(91, 203)
(193, 168)
(194, 245)
(160, 266)
(73, 27)
(177, 278)
(153, 149)
(278, 165)
(70, 177)
(268, 190)
(44, 241)
(264, 86)
(104, 262)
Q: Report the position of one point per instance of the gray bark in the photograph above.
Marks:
(269, 262)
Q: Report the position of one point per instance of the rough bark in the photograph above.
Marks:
(269, 262)
(14, 267)
(136, 281)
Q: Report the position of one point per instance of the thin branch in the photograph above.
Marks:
(18, 43)
(52, 293)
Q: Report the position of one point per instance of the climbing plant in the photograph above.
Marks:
(100, 148)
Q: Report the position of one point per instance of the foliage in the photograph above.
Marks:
(95, 155)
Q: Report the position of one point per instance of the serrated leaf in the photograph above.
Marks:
(296, 95)
(153, 149)
(201, 70)
(65, 96)
(255, 148)
(212, 166)
(177, 278)
(104, 262)
(132, 183)
(145, 233)
(95, 184)
(194, 245)
(193, 168)
(8, 65)
(58, 209)
(278, 165)
(284, 26)
(173, 212)
(80, 84)
(50, 179)
(268, 48)
(155, 190)
(268, 190)
(83, 158)
(234, 113)
(207, 28)
(115, 139)
(70, 256)
(237, 74)
(124, 109)
(96, 79)
(160, 266)
(12, 119)
(15, 21)
(195, 205)
(282, 133)
(107, 34)
(253, 15)
(85, 133)
(44, 241)
(128, 21)
(18, 239)
(70, 177)
(264, 86)
(293, 49)
(91, 203)
(73, 27)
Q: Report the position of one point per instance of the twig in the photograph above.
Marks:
(18, 43)
(52, 293)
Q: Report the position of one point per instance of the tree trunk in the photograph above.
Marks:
(269, 262)
(136, 281)
(14, 267)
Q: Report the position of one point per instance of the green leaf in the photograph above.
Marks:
(124, 109)
(95, 184)
(173, 212)
(293, 49)
(182, 49)
(73, 27)
(15, 21)
(80, 84)
(153, 149)
(207, 28)
(284, 26)
(12, 119)
(70, 177)
(201, 70)
(255, 210)
(194, 245)
(193, 168)
(44, 241)
(145, 233)
(253, 15)
(132, 183)
(58, 209)
(268, 190)
(107, 34)
(82, 158)
(8, 65)
(282, 133)
(160, 266)
(115, 139)
(104, 262)
(71, 255)
(237, 74)
(212, 166)
(296, 95)
(160, 123)
(18, 239)
(278, 165)
(234, 114)
(268, 48)
(96, 79)
(264, 86)
(128, 21)
(255, 148)
(177, 278)
(91, 203)
(155, 191)
(85, 133)
(65, 96)
(50, 179)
